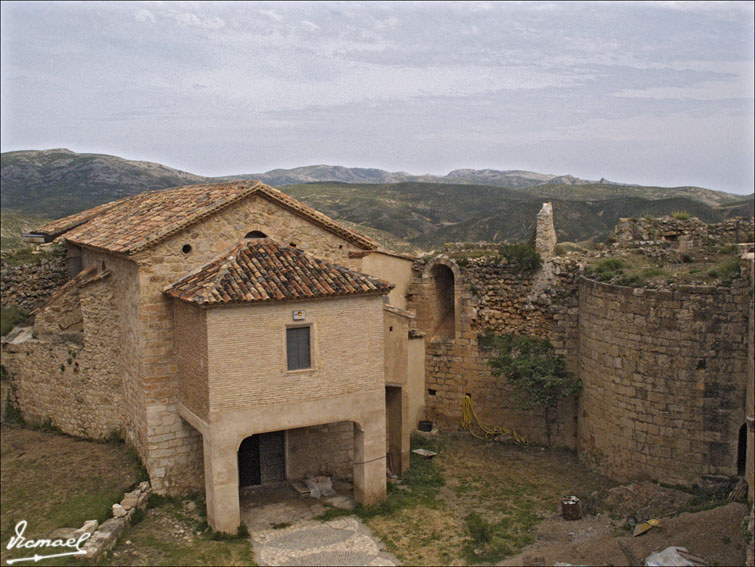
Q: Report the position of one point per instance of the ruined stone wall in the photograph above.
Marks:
(670, 238)
(664, 378)
(749, 271)
(71, 380)
(492, 296)
(321, 450)
(29, 286)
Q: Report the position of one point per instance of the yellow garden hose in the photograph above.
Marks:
(468, 414)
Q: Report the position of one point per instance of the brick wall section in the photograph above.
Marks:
(72, 380)
(664, 379)
(247, 352)
(321, 450)
(492, 296)
(191, 355)
(29, 285)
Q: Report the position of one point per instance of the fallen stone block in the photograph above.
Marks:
(118, 511)
(89, 527)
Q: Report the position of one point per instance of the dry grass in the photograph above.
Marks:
(171, 535)
(54, 481)
(510, 488)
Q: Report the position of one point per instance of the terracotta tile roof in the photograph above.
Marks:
(135, 223)
(261, 270)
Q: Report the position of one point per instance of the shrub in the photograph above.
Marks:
(479, 529)
(521, 256)
(10, 317)
(538, 375)
(728, 270)
(729, 249)
(680, 215)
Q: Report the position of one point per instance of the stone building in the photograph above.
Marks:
(233, 336)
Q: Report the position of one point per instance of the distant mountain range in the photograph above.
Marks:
(424, 211)
(513, 179)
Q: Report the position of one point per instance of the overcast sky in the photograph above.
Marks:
(658, 93)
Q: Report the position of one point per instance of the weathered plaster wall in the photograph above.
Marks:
(664, 377)
(392, 268)
(247, 352)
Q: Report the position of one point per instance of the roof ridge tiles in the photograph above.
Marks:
(264, 270)
(135, 223)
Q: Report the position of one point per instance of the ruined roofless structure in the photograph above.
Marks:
(233, 336)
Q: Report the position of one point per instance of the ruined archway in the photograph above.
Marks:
(443, 303)
(742, 451)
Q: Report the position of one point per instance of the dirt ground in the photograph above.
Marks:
(715, 535)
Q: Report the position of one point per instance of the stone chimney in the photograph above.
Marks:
(545, 239)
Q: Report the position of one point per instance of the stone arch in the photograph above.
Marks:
(443, 276)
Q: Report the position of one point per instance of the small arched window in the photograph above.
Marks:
(256, 234)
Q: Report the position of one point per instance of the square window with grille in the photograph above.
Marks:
(297, 348)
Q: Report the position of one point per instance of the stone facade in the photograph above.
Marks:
(663, 380)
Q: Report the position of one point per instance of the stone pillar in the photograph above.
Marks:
(545, 240)
(221, 483)
(369, 462)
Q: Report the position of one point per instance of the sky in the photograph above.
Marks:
(650, 93)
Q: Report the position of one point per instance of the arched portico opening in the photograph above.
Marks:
(262, 459)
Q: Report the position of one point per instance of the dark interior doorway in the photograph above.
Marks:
(262, 459)
(742, 451)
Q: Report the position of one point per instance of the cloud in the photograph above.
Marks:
(192, 20)
(145, 16)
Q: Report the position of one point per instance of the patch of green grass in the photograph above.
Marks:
(422, 480)
(680, 215)
(521, 256)
(53, 481)
(10, 317)
(281, 525)
(331, 513)
(32, 255)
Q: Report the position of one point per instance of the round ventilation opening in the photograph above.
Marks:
(186, 248)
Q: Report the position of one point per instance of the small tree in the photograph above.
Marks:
(538, 375)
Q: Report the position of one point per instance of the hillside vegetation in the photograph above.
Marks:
(400, 210)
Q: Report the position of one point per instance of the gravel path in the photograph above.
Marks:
(342, 541)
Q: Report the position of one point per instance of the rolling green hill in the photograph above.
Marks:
(398, 209)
